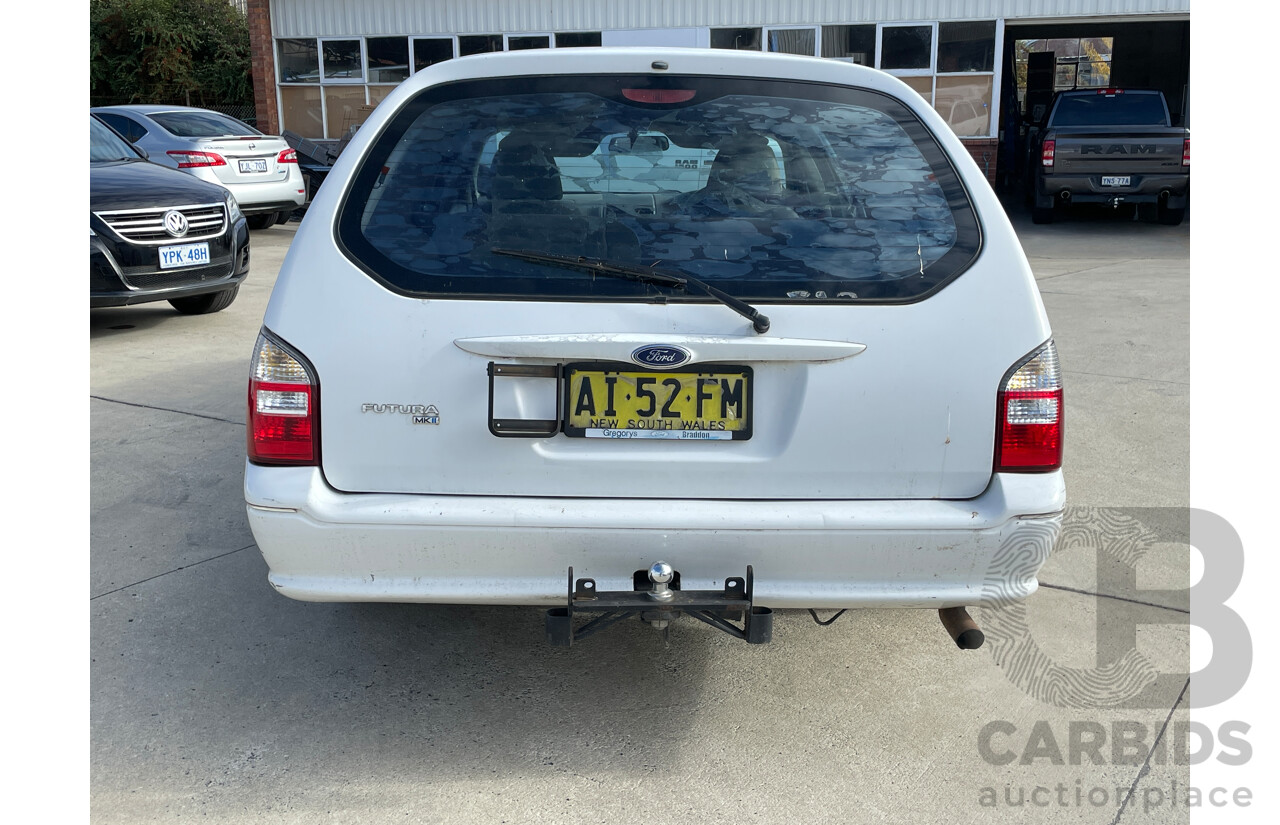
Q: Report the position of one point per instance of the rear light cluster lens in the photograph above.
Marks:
(1029, 410)
(1186, 152)
(1046, 153)
(192, 159)
(288, 156)
(282, 407)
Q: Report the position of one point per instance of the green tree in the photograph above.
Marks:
(169, 51)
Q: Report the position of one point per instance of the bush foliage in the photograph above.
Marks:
(169, 51)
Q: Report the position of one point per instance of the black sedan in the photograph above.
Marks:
(156, 234)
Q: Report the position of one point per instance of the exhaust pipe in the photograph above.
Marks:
(963, 629)
(1065, 195)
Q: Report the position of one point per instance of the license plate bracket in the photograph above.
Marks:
(711, 402)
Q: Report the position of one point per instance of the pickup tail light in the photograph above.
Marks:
(288, 156)
(1029, 415)
(192, 159)
(283, 410)
(1046, 153)
(1186, 152)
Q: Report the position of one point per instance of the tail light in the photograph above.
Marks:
(1046, 153)
(1186, 152)
(283, 399)
(1029, 415)
(191, 159)
(288, 156)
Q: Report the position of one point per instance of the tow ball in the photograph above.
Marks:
(659, 605)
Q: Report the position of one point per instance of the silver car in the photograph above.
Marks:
(260, 170)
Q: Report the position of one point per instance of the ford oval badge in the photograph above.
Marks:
(660, 356)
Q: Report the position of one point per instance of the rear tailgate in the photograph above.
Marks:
(895, 310)
(1102, 150)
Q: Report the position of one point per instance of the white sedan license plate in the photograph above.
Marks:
(1115, 180)
(192, 254)
(253, 166)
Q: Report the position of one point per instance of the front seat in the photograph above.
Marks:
(744, 181)
(528, 210)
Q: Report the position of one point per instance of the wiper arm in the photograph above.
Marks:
(644, 275)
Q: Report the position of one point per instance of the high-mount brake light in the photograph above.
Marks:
(1046, 153)
(283, 416)
(191, 158)
(1186, 152)
(659, 95)
(1110, 92)
(1029, 415)
(288, 156)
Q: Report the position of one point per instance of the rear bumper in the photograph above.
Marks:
(321, 545)
(1089, 189)
(267, 196)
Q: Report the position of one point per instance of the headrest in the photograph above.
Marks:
(525, 170)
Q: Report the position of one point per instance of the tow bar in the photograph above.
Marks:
(659, 605)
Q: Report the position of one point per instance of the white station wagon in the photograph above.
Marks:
(791, 355)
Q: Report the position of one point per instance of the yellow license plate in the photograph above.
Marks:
(606, 401)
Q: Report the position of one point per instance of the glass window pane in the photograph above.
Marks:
(965, 104)
(967, 47)
(568, 40)
(202, 124)
(342, 60)
(342, 109)
(379, 93)
(388, 59)
(736, 39)
(922, 85)
(479, 44)
(300, 111)
(1095, 62)
(299, 61)
(793, 41)
(428, 51)
(906, 47)
(822, 189)
(856, 42)
(529, 41)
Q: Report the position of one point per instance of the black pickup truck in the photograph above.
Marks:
(1108, 146)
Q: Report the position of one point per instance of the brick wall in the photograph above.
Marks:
(990, 147)
(264, 66)
(984, 152)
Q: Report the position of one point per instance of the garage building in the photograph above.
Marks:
(320, 66)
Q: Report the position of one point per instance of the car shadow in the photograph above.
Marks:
(114, 321)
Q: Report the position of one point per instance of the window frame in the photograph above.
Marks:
(361, 62)
(931, 69)
(413, 49)
(365, 47)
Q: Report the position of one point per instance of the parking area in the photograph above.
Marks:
(213, 697)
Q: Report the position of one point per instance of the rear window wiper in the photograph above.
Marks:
(644, 275)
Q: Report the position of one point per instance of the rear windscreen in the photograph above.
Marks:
(1131, 109)
(770, 190)
(203, 124)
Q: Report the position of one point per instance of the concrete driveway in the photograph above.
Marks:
(214, 698)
